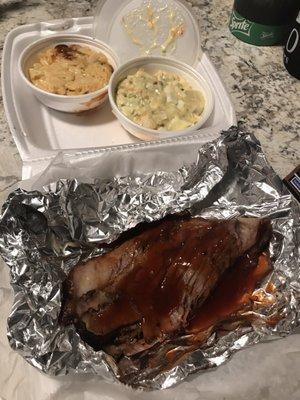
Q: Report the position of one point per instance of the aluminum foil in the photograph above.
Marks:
(45, 234)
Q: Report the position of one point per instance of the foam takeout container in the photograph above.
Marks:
(41, 133)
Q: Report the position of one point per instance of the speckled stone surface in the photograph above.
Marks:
(265, 97)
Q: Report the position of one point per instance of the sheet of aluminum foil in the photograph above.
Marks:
(44, 234)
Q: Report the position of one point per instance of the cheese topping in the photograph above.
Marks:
(70, 70)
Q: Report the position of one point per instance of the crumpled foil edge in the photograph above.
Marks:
(45, 234)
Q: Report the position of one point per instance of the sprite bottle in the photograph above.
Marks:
(263, 22)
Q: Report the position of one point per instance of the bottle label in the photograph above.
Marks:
(253, 33)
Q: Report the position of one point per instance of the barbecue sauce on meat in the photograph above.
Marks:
(153, 293)
(232, 293)
(228, 300)
(172, 280)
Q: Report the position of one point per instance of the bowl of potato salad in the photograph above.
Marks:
(156, 97)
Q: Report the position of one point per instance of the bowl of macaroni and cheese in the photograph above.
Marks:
(157, 97)
(68, 73)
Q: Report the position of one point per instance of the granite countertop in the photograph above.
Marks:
(265, 96)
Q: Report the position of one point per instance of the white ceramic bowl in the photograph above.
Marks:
(70, 104)
(153, 64)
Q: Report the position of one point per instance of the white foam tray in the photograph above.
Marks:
(41, 133)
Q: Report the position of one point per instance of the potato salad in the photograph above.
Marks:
(161, 100)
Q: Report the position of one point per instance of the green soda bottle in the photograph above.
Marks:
(263, 22)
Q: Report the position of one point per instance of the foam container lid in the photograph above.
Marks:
(137, 28)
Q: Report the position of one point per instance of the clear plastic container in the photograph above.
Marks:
(160, 19)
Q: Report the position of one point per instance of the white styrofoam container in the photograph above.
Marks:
(41, 133)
